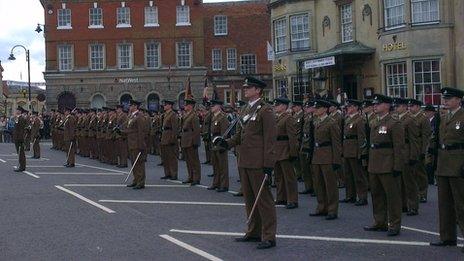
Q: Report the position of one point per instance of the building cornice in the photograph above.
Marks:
(277, 3)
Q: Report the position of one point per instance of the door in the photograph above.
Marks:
(350, 86)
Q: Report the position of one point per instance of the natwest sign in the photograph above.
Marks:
(317, 63)
(126, 80)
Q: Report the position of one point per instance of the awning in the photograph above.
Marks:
(352, 48)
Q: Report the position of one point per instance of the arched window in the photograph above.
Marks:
(153, 102)
(98, 101)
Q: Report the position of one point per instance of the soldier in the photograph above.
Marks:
(92, 133)
(241, 106)
(135, 131)
(19, 133)
(120, 137)
(385, 165)
(450, 170)
(354, 143)
(256, 135)
(111, 138)
(219, 156)
(206, 135)
(425, 133)
(168, 144)
(369, 116)
(431, 161)
(286, 151)
(306, 151)
(336, 115)
(298, 115)
(27, 137)
(326, 161)
(190, 142)
(69, 137)
(35, 134)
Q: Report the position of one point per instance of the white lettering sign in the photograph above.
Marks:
(128, 80)
(317, 63)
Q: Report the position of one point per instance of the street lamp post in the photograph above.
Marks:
(12, 58)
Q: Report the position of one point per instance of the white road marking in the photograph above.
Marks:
(316, 238)
(201, 186)
(28, 159)
(100, 168)
(122, 185)
(80, 173)
(425, 231)
(172, 202)
(93, 203)
(30, 174)
(37, 166)
(191, 248)
(1, 160)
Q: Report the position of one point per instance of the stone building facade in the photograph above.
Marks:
(105, 52)
(408, 48)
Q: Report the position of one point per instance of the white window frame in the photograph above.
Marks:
(231, 59)
(123, 22)
(151, 21)
(63, 15)
(422, 84)
(228, 95)
(249, 55)
(280, 35)
(416, 3)
(190, 54)
(220, 25)
(396, 82)
(296, 89)
(346, 23)
(183, 15)
(69, 56)
(385, 20)
(216, 59)
(156, 56)
(94, 13)
(131, 56)
(92, 57)
(300, 32)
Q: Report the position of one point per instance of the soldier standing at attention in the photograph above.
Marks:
(219, 156)
(425, 133)
(307, 146)
(135, 131)
(190, 142)
(168, 144)
(286, 151)
(206, 127)
(69, 135)
(121, 138)
(450, 170)
(298, 115)
(256, 135)
(336, 115)
(385, 165)
(35, 134)
(354, 143)
(19, 132)
(92, 132)
(326, 161)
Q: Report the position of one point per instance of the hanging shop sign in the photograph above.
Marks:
(317, 63)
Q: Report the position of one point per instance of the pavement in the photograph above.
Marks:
(50, 212)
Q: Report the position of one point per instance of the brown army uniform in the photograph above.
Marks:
(219, 157)
(450, 175)
(69, 136)
(35, 135)
(121, 140)
(92, 133)
(135, 131)
(256, 136)
(27, 134)
(18, 137)
(189, 142)
(285, 150)
(385, 156)
(425, 133)
(326, 154)
(306, 152)
(299, 122)
(205, 132)
(168, 144)
(354, 143)
(338, 118)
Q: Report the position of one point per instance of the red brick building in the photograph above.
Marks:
(102, 53)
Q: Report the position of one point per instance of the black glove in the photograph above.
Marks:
(268, 171)
(396, 173)
(412, 162)
(336, 167)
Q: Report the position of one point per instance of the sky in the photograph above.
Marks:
(17, 25)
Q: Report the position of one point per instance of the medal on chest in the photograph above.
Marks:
(351, 125)
(457, 125)
(383, 130)
(246, 118)
(215, 123)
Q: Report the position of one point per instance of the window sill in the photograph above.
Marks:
(217, 70)
(424, 23)
(96, 27)
(64, 27)
(123, 26)
(394, 27)
(152, 25)
(231, 69)
(124, 68)
(183, 24)
(184, 67)
(220, 34)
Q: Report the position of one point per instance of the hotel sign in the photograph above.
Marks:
(317, 63)
(397, 46)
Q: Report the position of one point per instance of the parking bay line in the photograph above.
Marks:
(200, 186)
(315, 238)
(49, 166)
(91, 202)
(100, 168)
(2, 160)
(175, 202)
(80, 173)
(425, 231)
(122, 185)
(30, 174)
(191, 248)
